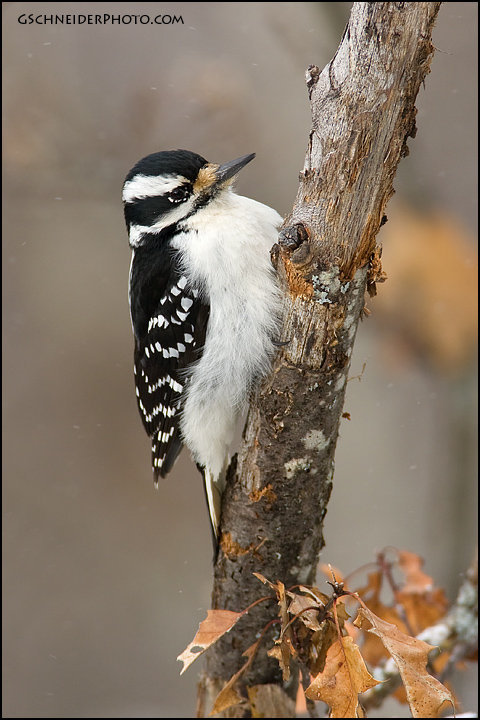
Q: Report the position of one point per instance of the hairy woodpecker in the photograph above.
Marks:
(204, 305)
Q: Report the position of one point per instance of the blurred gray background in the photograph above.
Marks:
(106, 580)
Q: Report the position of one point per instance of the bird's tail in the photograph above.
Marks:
(214, 487)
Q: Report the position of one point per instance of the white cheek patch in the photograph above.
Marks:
(177, 213)
(136, 233)
(143, 186)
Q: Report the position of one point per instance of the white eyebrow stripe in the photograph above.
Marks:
(143, 186)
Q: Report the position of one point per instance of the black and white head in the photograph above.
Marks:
(166, 188)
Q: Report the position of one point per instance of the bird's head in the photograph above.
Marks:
(165, 188)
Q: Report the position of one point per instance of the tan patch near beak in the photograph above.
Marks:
(206, 178)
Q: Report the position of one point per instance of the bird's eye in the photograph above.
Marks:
(178, 194)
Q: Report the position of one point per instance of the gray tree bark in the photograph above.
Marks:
(363, 112)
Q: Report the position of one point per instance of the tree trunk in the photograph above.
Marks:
(277, 491)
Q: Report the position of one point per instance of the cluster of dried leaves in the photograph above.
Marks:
(332, 653)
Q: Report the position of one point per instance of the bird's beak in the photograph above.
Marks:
(228, 171)
(212, 177)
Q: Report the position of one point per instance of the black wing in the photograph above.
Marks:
(169, 322)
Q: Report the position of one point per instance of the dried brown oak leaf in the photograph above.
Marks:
(344, 677)
(425, 694)
(216, 624)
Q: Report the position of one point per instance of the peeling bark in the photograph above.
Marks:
(363, 111)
